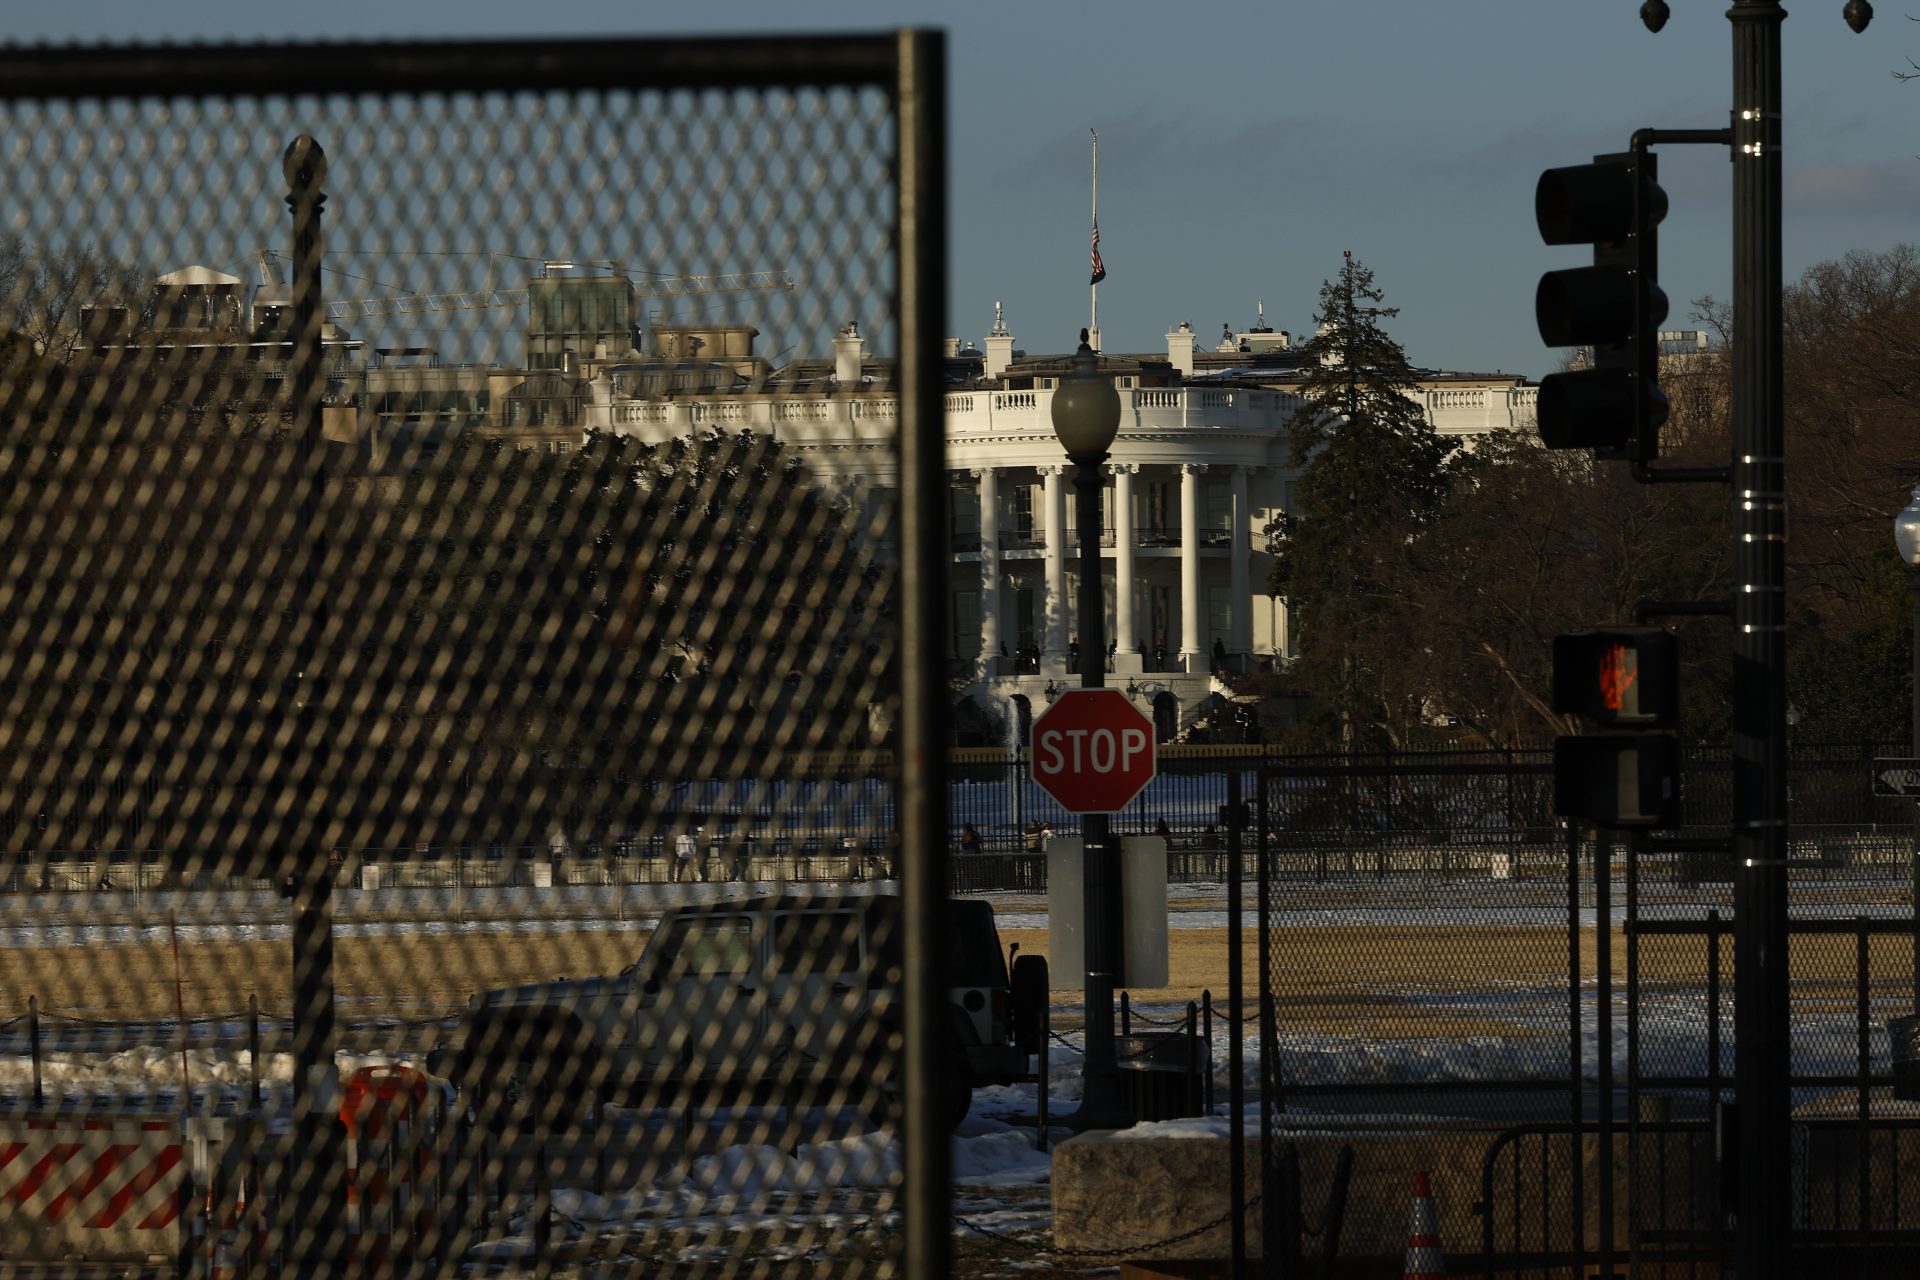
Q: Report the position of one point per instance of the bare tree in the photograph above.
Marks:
(42, 292)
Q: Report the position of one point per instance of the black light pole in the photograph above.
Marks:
(1760, 1017)
(1086, 417)
(1762, 1027)
(318, 1159)
(1906, 536)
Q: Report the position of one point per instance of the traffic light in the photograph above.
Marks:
(1614, 407)
(1625, 678)
(1618, 780)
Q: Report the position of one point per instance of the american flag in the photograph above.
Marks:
(1099, 272)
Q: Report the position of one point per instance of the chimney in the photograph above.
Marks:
(847, 355)
(1180, 349)
(999, 345)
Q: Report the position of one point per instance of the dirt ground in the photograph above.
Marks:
(1331, 972)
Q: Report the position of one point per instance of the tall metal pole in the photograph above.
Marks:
(1101, 1105)
(1236, 1047)
(922, 184)
(1093, 317)
(317, 1164)
(1913, 579)
(1759, 653)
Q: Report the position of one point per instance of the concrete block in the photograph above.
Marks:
(1115, 1192)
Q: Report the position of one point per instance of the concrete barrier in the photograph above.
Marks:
(1115, 1192)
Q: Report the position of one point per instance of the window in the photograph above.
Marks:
(1161, 502)
(806, 943)
(1021, 496)
(1219, 518)
(966, 623)
(963, 506)
(1220, 615)
(703, 946)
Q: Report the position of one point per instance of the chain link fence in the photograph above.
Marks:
(354, 508)
(1543, 1020)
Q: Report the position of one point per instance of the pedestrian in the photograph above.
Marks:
(1219, 655)
(683, 854)
(1046, 834)
(1033, 836)
(850, 847)
(738, 846)
(1162, 831)
(969, 839)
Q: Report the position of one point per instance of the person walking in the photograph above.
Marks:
(684, 847)
(1033, 836)
(969, 839)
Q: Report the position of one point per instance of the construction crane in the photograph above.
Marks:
(414, 304)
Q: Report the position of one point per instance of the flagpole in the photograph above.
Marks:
(1093, 328)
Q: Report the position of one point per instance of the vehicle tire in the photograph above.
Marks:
(1027, 1003)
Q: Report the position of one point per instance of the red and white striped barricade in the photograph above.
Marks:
(117, 1187)
(392, 1196)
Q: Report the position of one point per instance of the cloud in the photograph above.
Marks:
(1855, 188)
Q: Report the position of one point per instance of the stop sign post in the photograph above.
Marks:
(1093, 751)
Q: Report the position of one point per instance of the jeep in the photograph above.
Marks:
(779, 1000)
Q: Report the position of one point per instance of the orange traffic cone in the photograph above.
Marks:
(1424, 1259)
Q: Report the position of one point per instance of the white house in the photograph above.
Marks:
(1198, 471)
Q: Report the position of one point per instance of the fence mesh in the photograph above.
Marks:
(1427, 1009)
(417, 532)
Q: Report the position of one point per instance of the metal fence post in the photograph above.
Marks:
(33, 1046)
(253, 1045)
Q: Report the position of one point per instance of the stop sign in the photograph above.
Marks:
(1093, 751)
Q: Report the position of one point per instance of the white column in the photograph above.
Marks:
(989, 572)
(1193, 653)
(1056, 500)
(1237, 558)
(1125, 626)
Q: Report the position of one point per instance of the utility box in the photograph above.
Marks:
(1143, 909)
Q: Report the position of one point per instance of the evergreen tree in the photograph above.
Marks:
(1372, 471)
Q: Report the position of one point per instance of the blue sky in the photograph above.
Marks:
(1245, 146)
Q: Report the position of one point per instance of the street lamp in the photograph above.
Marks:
(1906, 536)
(1086, 417)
